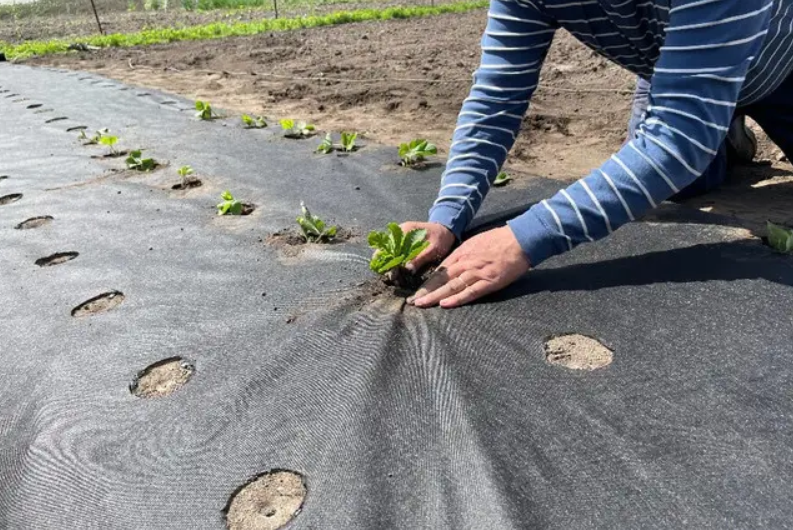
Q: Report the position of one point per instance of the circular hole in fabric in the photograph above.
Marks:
(56, 259)
(99, 304)
(577, 352)
(8, 199)
(267, 502)
(34, 222)
(162, 378)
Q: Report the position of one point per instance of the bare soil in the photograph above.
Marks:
(577, 352)
(267, 503)
(162, 378)
(392, 83)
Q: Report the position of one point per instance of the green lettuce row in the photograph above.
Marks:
(219, 30)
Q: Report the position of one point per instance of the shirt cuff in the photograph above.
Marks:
(538, 241)
(450, 215)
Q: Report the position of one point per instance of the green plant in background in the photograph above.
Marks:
(393, 248)
(501, 179)
(314, 229)
(257, 122)
(780, 238)
(110, 142)
(204, 110)
(136, 161)
(348, 141)
(300, 129)
(416, 151)
(218, 30)
(326, 146)
(230, 205)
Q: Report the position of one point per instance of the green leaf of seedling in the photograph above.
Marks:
(393, 248)
(247, 120)
(227, 196)
(395, 236)
(780, 238)
(331, 232)
(185, 171)
(287, 124)
(326, 146)
(501, 179)
(378, 240)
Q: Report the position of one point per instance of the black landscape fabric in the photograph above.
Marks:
(394, 417)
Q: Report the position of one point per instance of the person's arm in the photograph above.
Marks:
(514, 46)
(709, 47)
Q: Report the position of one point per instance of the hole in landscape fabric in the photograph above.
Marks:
(56, 259)
(8, 199)
(34, 222)
(99, 304)
(267, 502)
(577, 352)
(162, 378)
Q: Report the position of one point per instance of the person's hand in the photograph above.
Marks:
(441, 242)
(484, 264)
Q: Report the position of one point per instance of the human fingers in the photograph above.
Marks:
(454, 285)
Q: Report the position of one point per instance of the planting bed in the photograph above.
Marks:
(374, 414)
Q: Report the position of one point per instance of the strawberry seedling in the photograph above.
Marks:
(299, 129)
(393, 250)
(347, 143)
(314, 229)
(501, 179)
(204, 110)
(326, 146)
(416, 151)
(250, 122)
(110, 142)
(230, 205)
(136, 161)
(780, 238)
(92, 140)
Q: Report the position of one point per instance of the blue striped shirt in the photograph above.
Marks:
(704, 59)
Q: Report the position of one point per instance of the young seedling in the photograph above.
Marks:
(416, 151)
(250, 122)
(230, 205)
(393, 250)
(348, 141)
(92, 140)
(314, 229)
(299, 129)
(184, 172)
(780, 238)
(136, 161)
(204, 110)
(326, 146)
(501, 179)
(110, 142)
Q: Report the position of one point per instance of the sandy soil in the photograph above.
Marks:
(393, 83)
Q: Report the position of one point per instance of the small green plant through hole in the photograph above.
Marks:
(184, 172)
(251, 122)
(110, 142)
(204, 110)
(502, 179)
(314, 229)
(393, 250)
(416, 152)
(230, 205)
(300, 129)
(92, 140)
(780, 238)
(347, 144)
(136, 161)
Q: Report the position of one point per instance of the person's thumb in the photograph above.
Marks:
(422, 259)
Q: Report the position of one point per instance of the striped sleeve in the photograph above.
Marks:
(707, 52)
(514, 45)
